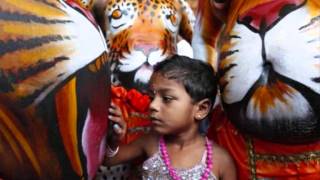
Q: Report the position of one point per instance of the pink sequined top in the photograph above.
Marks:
(155, 169)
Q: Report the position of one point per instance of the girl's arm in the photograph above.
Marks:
(125, 152)
(227, 168)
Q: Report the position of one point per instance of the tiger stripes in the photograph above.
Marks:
(51, 51)
(268, 65)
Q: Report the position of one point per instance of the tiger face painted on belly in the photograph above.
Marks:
(268, 63)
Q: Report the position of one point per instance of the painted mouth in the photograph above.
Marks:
(144, 73)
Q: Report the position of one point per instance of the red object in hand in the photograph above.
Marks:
(135, 110)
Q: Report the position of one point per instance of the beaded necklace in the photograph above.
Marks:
(172, 172)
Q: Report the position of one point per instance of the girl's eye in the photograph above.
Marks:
(167, 99)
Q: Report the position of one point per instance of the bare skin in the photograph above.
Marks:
(176, 118)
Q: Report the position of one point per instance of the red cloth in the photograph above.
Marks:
(134, 106)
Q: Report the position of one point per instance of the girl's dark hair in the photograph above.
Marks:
(197, 77)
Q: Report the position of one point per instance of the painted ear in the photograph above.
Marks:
(203, 109)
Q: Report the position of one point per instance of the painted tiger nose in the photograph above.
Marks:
(264, 16)
(146, 48)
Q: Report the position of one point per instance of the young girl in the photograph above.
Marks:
(182, 92)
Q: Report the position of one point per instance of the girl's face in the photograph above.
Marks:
(171, 108)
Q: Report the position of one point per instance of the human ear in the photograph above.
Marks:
(203, 108)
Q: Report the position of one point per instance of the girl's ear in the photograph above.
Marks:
(202, 109)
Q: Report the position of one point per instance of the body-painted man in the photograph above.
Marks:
(267, 55)
(54, 91)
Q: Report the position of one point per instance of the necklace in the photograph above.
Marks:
(172, 172)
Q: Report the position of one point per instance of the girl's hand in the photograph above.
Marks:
(119, 126)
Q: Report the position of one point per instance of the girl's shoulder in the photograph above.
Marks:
(150, 143)
(219, 152)
(222, 161)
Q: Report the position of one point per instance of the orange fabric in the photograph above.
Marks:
(229, 137)
(134, 107)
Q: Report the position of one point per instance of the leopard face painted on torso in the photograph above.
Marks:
(141, 33)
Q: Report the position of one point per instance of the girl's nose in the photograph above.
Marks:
(154, 105)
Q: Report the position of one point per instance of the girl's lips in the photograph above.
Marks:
(155, 121)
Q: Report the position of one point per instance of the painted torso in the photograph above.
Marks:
(142, 33)
(268, 66)
(51, 56)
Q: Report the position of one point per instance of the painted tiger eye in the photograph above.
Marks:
(116, 14)
(173, 19)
